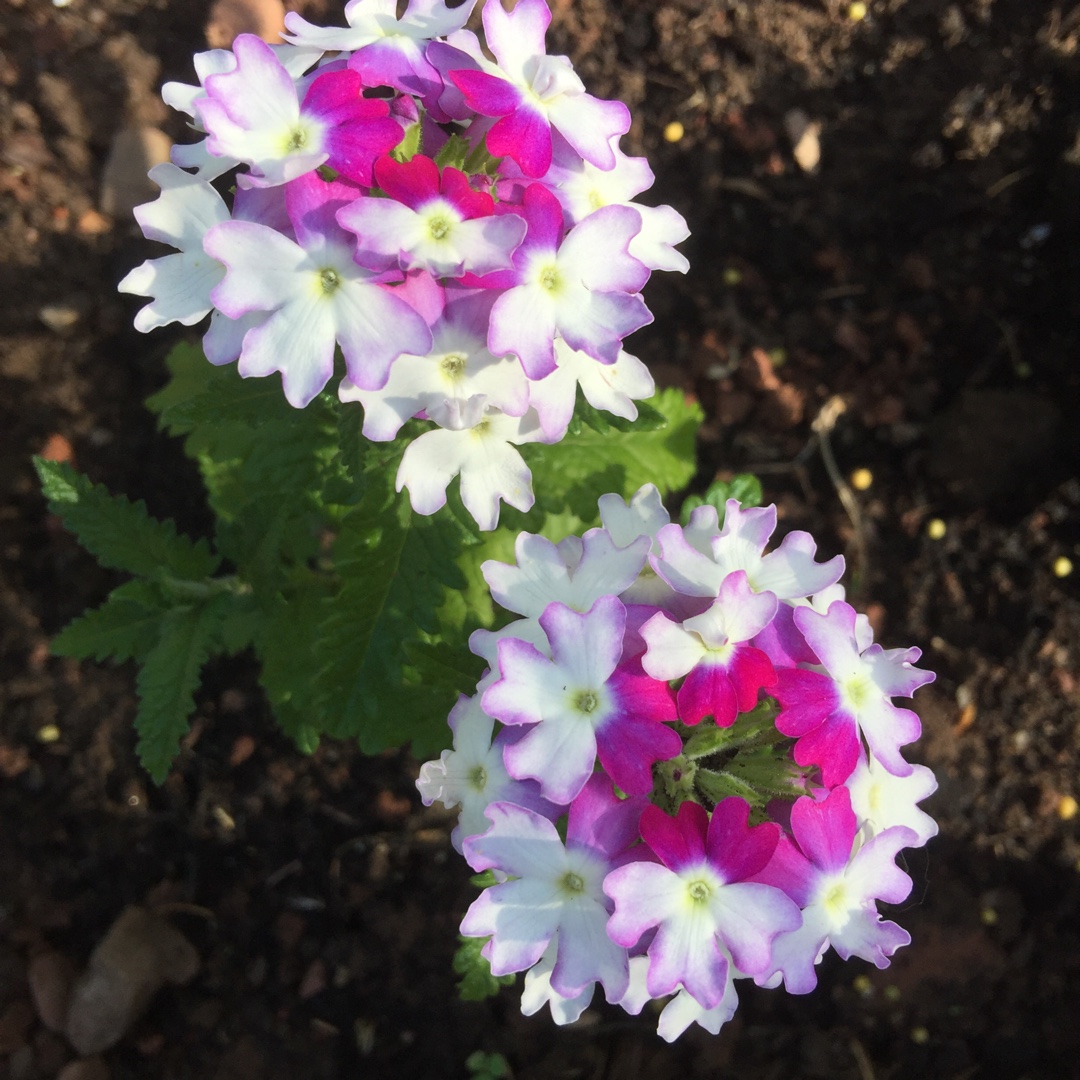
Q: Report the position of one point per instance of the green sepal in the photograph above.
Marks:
(409, 146)
(120, 534)
(476, 982)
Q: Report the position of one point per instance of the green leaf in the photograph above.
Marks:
(167, 681)
(120, 533)
(745, 487)
(124, 627)
(573, 474)
(476, 982)
(395, 569)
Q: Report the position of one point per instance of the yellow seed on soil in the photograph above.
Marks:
(920, 1036)
(1067, 808)
(674, 132)
(861, 479)
(50, 733)
(935, 529)
(892, 993)
(989, 916)
(862, 986)
(1063, 566)
(857, 12)
(732, 276)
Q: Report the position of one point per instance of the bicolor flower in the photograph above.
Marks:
(788, 573)
(836, 889)
(386, 50)
(827, 712)
(557, 888)
(582, 287)
(582, 707)
(472, 774)
(532, 93)
(458, 367)
(254, 114)
(706, 912)
(316, 295)
(430, 221)
(723, 673)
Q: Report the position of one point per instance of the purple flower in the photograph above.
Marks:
(581, 705)
(556, 889)
(583, 287)
(316, 296)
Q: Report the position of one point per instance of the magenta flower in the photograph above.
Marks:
(584, 287)
(254, 114)
(700, 899)
(723, 673)
(827, 712)
(532, 93)
(430, 222)
(582, 706)
(836, 889)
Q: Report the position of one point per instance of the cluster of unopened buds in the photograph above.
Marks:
(462, 230)
(696, 775)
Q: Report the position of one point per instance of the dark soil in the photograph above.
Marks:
(926, 272)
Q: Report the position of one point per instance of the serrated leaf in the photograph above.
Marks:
(409, 145)
(395, 568)
(168, 678)
(476, 982)
(744, 486)
(120, 534)
(122, 628)
(573, 474)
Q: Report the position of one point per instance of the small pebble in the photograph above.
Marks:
(861, 479)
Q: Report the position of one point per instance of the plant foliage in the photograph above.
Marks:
(357, 610)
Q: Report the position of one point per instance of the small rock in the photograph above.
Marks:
(91, 223)
(140, 953)
(51, 975)
(63, 316)
(87, 1069)
(804, 134)
(230, 18)
(124, 183)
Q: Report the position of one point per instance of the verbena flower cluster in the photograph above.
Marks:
(462, 229)
(683, 766)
